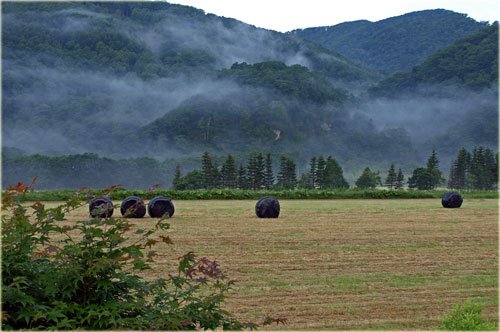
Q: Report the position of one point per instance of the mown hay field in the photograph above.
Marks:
(342, 264)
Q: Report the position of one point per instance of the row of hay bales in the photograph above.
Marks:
(266, 207)
(134, 207)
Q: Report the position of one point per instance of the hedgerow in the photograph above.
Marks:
(237, 194)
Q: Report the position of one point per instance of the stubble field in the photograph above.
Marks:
(342, 264)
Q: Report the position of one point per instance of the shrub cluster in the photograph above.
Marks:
(467, 317)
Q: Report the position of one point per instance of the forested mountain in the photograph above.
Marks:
(397, 43)
(470, 63)
(152, 79)
(275, 108)
(85, 76)
(455, 90)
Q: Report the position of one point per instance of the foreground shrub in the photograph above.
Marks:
(87, 278)
(467, 317)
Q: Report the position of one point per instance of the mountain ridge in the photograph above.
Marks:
(385, 45)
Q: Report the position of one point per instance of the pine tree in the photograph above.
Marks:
(208, 171)
(390, 180)
(368, 179)
(491, 170)
(433, 169)
(260, 171)
(320, 173)
(333, 175)
(229, 172)
(459, 170)
(242, 181)
(304, 181)
(400, 180)
(313, 173)
(477, 169)
(483, 171)
(453, 178)
(287, 177)
(255, 171)
(251, 171)
(268, 173)
(495, 171)
(421, 179)
(177, 176)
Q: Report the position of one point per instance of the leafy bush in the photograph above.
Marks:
(83, 275)
(467, 317)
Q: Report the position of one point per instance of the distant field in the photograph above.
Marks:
(343, 264)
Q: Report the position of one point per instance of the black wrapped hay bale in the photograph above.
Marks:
(101, 207)
(267, 207)
(159, 206)
(133, 207)
(452, 199)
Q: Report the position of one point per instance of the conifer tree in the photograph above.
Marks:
(255, 171)
(320, 173)
(242, 181)
(491, 169)
(313, 172)
(251, 171)
(483, 172)
(368, 179)
(421, 179)
(268, 173)
(433, 169)
(208, 171)
(177, 176)
(260, 172)
(287, 177)
(229, 172)
(400, 180)
(459, 170)
(333, 175)
(390, 180)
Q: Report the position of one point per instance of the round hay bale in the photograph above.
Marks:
(267, 207)
(159, 206)
(101, 207)
(133, 207)
(452, 200)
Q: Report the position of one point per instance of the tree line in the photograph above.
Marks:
(469, 171)
(476, 170)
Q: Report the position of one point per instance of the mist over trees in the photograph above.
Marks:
(395, 44)
(126, 81)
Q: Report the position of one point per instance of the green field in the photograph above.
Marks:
(343, 264)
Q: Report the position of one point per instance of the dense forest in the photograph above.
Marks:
(469, 63)
(397, 43)
(151, 85)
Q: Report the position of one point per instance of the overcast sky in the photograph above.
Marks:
(286, 15)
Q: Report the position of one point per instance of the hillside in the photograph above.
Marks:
(156, 40)
(273, 107)
(82, 77)
(397, 43)
(470, 63)
(450, 100)
(123, 81)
